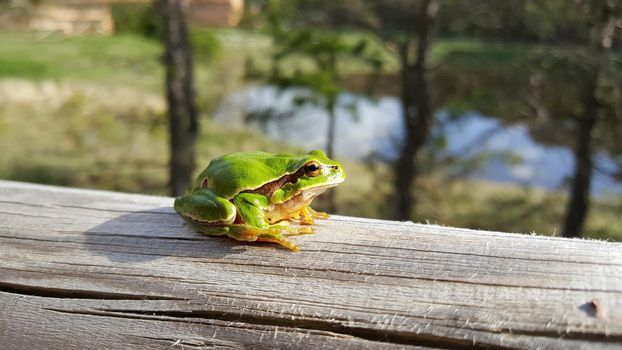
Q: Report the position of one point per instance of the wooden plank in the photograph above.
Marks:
(92, 269)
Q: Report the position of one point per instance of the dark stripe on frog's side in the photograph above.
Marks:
(270, 187)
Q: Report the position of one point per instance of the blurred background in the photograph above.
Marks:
(498, 115)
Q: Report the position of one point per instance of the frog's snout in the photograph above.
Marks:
(337, 172)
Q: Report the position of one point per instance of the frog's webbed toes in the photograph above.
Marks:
(279, 239)
(318, 214)
(293, 231)
(306, 219)
(307, 215)
(274, 234)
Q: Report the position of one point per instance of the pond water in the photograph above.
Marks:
(376, 131)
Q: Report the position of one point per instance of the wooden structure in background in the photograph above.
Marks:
(215, 12)
(72, 17)
(94, 16)
(84, 269)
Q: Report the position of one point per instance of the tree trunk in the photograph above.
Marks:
(183, 116)
(417, 111)
(405, 170)
(578, 203)
(330, 131)
(331, 200)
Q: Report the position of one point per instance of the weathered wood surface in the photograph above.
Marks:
(87, 269)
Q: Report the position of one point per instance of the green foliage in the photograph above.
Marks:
(533, 84)
(136, 18)
(205, 44)
(534, 21)
(309, 58)
(321, 49)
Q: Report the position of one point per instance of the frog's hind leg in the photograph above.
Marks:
(256, 228)
(272, 234)
(206, 208)
(208, 229)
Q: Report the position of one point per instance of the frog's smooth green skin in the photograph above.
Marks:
(252, 196)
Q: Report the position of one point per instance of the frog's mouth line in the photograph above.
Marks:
(313, 192)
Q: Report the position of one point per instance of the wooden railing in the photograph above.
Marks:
(89, 269)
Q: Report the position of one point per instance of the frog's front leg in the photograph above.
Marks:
(256, 228)
(318, 214)
(306, 215)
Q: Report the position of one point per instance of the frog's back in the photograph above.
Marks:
(237, 172)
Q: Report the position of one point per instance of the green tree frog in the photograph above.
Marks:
(252, 196)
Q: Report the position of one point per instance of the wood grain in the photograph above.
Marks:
(90, 269)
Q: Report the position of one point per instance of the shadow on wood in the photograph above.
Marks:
(148, 235)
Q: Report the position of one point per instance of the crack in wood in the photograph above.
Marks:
(27, 215)
(587, 336)
(29, 204)
(62, 293)
(334, 328)
(388, 336)
(192, 343)
(417, 278)
(37, 239)
(316, 326)
(360, 273)
(441, 252)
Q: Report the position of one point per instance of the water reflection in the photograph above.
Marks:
(358, 135)
(373, 128)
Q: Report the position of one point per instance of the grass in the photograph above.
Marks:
(95, 108)
(89, 112)
(127, 60)
(83, 136)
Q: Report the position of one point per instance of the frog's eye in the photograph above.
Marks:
(312, 169)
